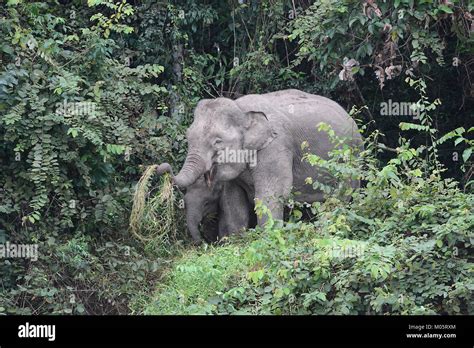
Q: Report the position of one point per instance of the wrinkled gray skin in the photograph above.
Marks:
(275, 125)
(199, 202)
(227, 200)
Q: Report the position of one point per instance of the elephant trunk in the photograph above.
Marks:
(192, 169)
(164, 168)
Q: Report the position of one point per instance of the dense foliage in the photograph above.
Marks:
(400, 247)
(92, 91)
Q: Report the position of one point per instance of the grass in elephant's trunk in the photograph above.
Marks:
(153, 218)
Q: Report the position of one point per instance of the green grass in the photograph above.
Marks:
(197, 276)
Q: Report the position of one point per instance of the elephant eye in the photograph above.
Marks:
(217, 141)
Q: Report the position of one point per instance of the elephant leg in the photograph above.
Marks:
(234, 209)
(273, 183)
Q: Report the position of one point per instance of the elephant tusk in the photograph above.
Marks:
(207, 177)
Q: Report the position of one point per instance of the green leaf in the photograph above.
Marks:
(445, 9)
(7, 49)
(321, 296)
(467, 154)
(73, 132)
(91, 3)
(417, 172)
(297, 214)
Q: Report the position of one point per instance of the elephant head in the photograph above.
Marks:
(219, 127)
(200, 201)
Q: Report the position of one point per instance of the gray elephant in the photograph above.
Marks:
(217, 209)
(226, 200)
(227, 135)
(201, 204)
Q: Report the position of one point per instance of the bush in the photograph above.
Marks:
(79, 275)
(76, 122)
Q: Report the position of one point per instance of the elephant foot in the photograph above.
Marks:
(197, 242)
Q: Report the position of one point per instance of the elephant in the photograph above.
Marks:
(227, 200)
(226, 135)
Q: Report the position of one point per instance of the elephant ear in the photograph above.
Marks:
(258, 132)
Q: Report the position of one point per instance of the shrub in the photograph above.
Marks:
(76, 121)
